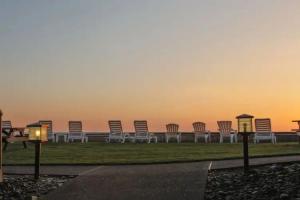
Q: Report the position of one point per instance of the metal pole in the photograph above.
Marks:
(245, 145)
(37, 159)
(1, 171)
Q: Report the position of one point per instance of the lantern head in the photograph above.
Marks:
(245, 124)
(37, 132)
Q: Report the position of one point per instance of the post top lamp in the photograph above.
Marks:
(37, 132)
(245, 124)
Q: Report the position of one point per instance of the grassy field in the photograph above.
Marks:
(101, 153)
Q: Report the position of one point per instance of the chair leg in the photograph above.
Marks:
(5, 145)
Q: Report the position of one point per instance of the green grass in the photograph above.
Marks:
(101, 153)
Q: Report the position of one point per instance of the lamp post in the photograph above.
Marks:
(37, 133)
(1, 171)
(245, 127)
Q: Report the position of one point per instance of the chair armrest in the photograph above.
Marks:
(126, 134)
(151, 133)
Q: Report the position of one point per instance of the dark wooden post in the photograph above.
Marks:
(1, 171)
(299, 131)
(246, 152)
(37, 159)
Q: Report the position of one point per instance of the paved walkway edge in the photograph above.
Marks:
(227, 164)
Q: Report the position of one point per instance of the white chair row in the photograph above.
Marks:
(75, 132)
(141, 132)
(263, 132)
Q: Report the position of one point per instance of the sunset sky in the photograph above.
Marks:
(162, 60)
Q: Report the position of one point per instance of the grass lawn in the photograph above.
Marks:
(101, 153)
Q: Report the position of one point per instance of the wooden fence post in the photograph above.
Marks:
(1, 171)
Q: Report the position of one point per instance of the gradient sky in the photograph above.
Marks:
(164, 61)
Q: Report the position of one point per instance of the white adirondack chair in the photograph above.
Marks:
(201, 132)
(173, 132)
(6, 125)
(75, 132)
(225, 129)
(116, 131)
(142, 132)
(263, 131)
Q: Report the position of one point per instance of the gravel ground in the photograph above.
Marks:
(25, 187)
(262, 183)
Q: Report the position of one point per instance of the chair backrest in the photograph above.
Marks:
(225, 127)
(199, 127)
(49, 125)
(75, 127)
(141, 127)
(6, 125)
(172, 128)
(263, 125)
(115, 127)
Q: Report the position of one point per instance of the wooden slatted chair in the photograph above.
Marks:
(49, 129)
(116, 131)
(225, 129)
(201, 132)
(142, 132)
(6, 131)
(263, 131)
(75, 132)
(173, 132)
(9, 135)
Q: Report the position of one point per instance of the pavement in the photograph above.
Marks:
(142, 182)
(157, 181)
